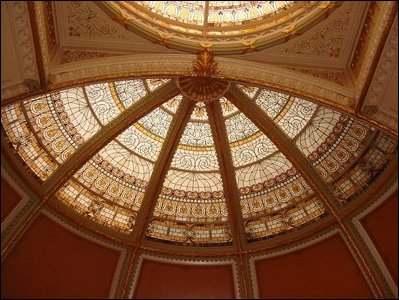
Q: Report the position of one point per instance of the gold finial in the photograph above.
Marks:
(205, 64)
(202, 86)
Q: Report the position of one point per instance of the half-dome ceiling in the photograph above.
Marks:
(221, 26)
(192, 207)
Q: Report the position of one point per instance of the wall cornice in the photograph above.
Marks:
(25, 49)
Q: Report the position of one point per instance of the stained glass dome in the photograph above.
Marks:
(138, 155)
(217, 12)
(228, 27)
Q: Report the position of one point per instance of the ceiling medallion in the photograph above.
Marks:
(203, 86)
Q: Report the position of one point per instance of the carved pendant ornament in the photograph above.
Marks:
(203, 86)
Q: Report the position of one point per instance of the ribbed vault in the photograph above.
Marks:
(101, 172)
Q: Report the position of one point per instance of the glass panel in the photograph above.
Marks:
(52, 127)
(25, 143)
(227, 12)
(172, 104)
(78, 111)
(271, 102)
(191, 208)
(295, 116)
(76, 196)
(155, 124)
(110, 187)
(129, 91)
(187, 11)
(103, 102)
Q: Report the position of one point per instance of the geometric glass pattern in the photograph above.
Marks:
(219, 12)
(192, 209)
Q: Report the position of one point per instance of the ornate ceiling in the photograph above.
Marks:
(108, 121)
(225, 27)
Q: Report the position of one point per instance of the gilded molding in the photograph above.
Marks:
(42, 35)
(362, 43)
(50, 28)
(155, 184)
(226, 166)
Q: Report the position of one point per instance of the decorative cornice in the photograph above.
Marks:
(382, 79)
(376, 28)
(72, 55)
(181, 64)
(22, 36)
(19, 212)
(333, 76)
(363, 41)
(389, 286)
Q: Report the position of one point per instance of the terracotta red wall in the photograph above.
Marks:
(50, 261)
(164, 280)
(323, 270)
(382, 227)
(9, 199)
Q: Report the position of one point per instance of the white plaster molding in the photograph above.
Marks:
(386, 66)
(369, 243)
(195, 261)
(376, 36)
(23, 41)
(382, 78)
(122, 250)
